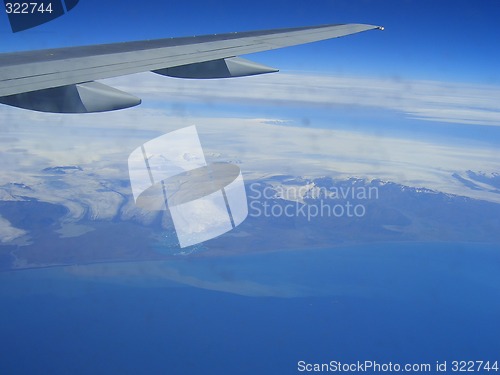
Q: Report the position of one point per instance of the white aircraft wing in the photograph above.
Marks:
(62, 80)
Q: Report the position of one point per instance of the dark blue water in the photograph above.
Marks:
(400, 303)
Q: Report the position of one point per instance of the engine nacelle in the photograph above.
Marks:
(222, 68)
(85, 97)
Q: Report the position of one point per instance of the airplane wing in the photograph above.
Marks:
(62, 80)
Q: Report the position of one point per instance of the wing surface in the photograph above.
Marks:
(36, 71)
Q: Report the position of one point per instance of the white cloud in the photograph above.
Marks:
(102, 142)
(260, 148)
(8, 233)
(425, 100)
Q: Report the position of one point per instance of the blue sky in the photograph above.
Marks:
(424, 39)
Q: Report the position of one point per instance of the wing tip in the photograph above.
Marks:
(372, 27)
(362, 26)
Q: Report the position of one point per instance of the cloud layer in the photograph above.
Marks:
(425, 100)
(262, 146)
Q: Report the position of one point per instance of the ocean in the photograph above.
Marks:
(261, 313)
